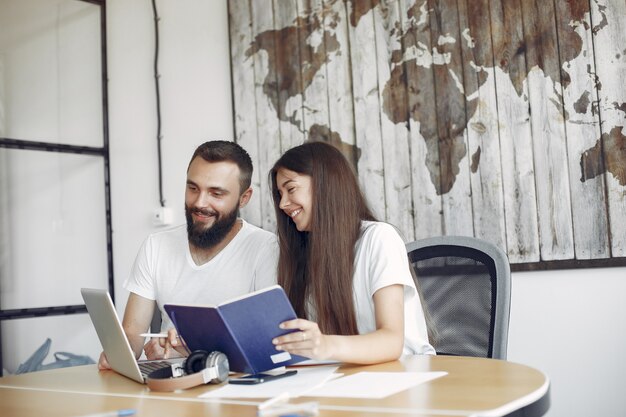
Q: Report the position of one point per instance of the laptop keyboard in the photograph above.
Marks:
(147, 367)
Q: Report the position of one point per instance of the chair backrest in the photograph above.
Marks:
(466, 286)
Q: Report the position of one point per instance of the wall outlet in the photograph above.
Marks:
(163, 216)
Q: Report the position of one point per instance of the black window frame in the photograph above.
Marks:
(103, 151)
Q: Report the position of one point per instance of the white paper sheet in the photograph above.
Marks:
(305, 380)
(373, 384)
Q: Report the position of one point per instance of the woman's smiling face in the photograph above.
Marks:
(296, 197)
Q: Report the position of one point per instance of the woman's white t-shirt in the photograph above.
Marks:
(380, 261)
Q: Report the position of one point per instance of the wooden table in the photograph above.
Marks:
(472, 387)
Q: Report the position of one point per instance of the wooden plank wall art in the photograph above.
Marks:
(500, 119)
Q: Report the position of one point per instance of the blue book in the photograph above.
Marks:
(241, 328)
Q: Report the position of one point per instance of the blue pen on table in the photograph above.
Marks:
(125, 412)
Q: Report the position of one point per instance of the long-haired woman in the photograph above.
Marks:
(346, 274)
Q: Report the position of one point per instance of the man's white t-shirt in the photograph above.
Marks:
(164, 270)
(380, 261)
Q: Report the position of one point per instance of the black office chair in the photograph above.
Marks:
(466, 286)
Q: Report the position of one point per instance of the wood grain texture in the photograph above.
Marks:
(589, 214)
(265, 81)
(367, 111)
(338, 72)
(289, 78)
(500, 119)
(394, 136)
(608, 20)
(314, 48)
(422, 118)
(482, 128)
(451, 119)
(556, 240)
(244, 97)
(522, 231)
(2, 97)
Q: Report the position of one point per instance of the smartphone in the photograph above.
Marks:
(259, 378)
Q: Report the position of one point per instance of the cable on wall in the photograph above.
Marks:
(158, 99)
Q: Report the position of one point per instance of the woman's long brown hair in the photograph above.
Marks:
(320, 263)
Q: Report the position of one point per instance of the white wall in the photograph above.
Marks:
(196, 106)
(570, 324)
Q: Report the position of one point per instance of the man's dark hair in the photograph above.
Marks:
(222, 150)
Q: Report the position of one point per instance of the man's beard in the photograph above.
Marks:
(207, 238)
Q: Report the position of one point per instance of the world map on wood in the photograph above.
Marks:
(497, 119)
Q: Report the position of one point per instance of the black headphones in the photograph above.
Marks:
(200, 367)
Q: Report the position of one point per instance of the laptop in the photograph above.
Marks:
(114, 343)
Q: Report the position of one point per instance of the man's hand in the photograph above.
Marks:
(103, 363)
(172, 345)
(154, 350)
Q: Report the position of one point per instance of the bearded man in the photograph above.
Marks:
(214, 257)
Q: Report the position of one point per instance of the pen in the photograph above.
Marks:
(119, 413)
(153, 335)
(156, 335)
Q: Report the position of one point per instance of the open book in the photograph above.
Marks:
(241, 328)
